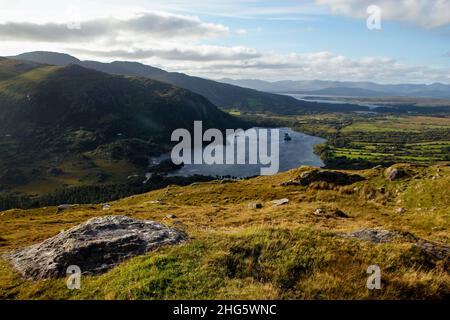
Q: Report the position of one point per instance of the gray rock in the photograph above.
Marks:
(394, 173)
(400, 210)
(280, 202)
(63, 207)
(330, 213)
(255, 205)
(319, 175)
(95, 246)
(377, 235)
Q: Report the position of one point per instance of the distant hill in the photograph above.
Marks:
(222, 95)
(346, 88)
(348, 92)
(54, 118)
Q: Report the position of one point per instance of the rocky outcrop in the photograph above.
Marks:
(393, 173)
(377, 235)
(317, 175)
(94, 246)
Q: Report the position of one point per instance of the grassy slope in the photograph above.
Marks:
(276, 252)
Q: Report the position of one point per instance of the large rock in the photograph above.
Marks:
(317, 175)
(94, 246)
(378, 235)
(393, 173)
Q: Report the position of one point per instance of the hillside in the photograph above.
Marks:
(346, 88)
(221, 94)
(58, 124)
(317, 246)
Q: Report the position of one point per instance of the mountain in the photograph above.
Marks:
(72, 119)
(348, 92)
(57, 59)
(221, 94)
(346, 88)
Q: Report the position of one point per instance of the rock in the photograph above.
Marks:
(330, 213)
(280, 202)
(95, 246)
(255, 205)
(378, 235)
(63, 207)
(106, 206)
(400, 210)
(318, 175)
(394, 173)
(375, 235)
(171, 216)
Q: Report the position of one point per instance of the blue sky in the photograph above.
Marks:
(272, 40)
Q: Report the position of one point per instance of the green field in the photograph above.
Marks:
(366, 140)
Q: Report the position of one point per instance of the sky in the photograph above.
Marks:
(245, 39)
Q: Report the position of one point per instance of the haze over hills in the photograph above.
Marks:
(221, 94)
(346, 88)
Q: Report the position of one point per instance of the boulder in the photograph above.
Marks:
(280, 202)
(318, 175)
(63, 207)
(375, 235)
(393, 173)
(95, 246)
(378, 235)
(255, 205)
(400, 210)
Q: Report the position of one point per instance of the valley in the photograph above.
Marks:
(77, 144)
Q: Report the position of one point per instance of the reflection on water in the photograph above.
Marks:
(293, 153)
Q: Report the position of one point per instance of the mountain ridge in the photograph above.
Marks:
(222, 95)
(346, 88)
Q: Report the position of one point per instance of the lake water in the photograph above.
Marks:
(293, 154)
(335, 100)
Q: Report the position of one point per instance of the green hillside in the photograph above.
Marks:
(80, 124)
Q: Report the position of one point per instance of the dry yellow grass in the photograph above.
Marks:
(277, 252)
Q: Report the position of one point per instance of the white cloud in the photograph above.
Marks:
(427, 13)
(200, 53)
(172, 42)
(324, 66)
(150, 24)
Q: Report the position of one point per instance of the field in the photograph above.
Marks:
(356, 141)
(277, 252)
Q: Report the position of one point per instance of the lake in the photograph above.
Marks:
(293, 154)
